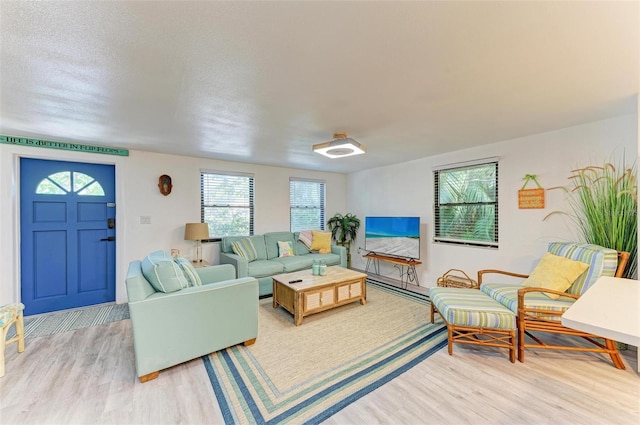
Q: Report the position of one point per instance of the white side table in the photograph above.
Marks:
(611, 309)
(202, 263)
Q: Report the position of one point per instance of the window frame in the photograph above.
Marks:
(322, 207)
(437, 206)
(56, 180)
(250, 205)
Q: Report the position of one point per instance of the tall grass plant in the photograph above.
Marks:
(603, 204)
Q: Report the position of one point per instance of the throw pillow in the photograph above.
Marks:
(189, 271)
(285, 249)
(163, 274)
(556, 273)
(306, 237)
(321, 242)
(245, 248)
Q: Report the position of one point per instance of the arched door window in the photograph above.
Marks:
(66, 181)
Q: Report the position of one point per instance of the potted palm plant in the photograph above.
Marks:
(603, 204)
(344, 229)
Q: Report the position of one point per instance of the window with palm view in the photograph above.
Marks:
(466, 204)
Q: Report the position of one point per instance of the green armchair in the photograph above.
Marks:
(175, 327)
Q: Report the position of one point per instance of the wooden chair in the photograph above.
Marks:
(538, 313)
(10, 314)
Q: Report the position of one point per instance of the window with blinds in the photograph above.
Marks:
(466, 204)
(306, 199)
(227, 203)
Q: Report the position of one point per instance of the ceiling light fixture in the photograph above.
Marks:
(339, 147)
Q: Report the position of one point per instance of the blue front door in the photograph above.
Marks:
(67, 234)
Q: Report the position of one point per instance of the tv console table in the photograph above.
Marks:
(410, 275)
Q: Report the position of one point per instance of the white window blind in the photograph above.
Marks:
(466, 203)
(307, 203)
(227, 203)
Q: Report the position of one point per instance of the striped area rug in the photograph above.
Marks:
(305, 374)
(69, 320)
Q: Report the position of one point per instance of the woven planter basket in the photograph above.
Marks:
(455, 278)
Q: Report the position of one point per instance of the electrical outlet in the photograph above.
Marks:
(145, 219)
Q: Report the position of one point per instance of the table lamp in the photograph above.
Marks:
(196, 232)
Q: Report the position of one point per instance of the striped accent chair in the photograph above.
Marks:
(537, 312)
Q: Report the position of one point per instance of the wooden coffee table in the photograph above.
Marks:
(314, 294)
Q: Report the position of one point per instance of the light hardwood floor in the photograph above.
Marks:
(87, 377)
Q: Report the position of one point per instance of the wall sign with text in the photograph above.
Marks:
(67, 146)
(531, 198)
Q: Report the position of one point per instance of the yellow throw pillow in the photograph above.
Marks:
(321, 242)
(556, 273)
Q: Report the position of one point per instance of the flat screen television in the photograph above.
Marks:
(393, 236)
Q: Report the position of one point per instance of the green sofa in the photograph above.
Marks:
(268, 262)
(175, 327)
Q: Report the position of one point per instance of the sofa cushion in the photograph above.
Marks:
(507, 295)
(9, 312)
(163, 273)
(295, 263)
(189, 271)
(264, 268)
(257, 240)
(271, 242)
(467, 307)
(321, 242)
(245, 248)
(329, 259)
(285, 249)
(258, 243)
(601, 261)
(225, 244)
(556, 273)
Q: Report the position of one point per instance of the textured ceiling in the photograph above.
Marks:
(262, 81)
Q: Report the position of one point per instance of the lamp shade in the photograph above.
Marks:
(196, 231)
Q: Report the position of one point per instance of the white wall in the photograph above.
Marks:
(138, 195)
(407, 189)
(170, 213)
(404, 189)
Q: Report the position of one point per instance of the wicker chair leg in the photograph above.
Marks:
(512, 350)
(614, 353)
(20, 332)
(3, 335)
(521, 342)
(432, 312)
(450, 339)
(18, 320)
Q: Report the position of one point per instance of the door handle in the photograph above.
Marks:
(109, 239)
